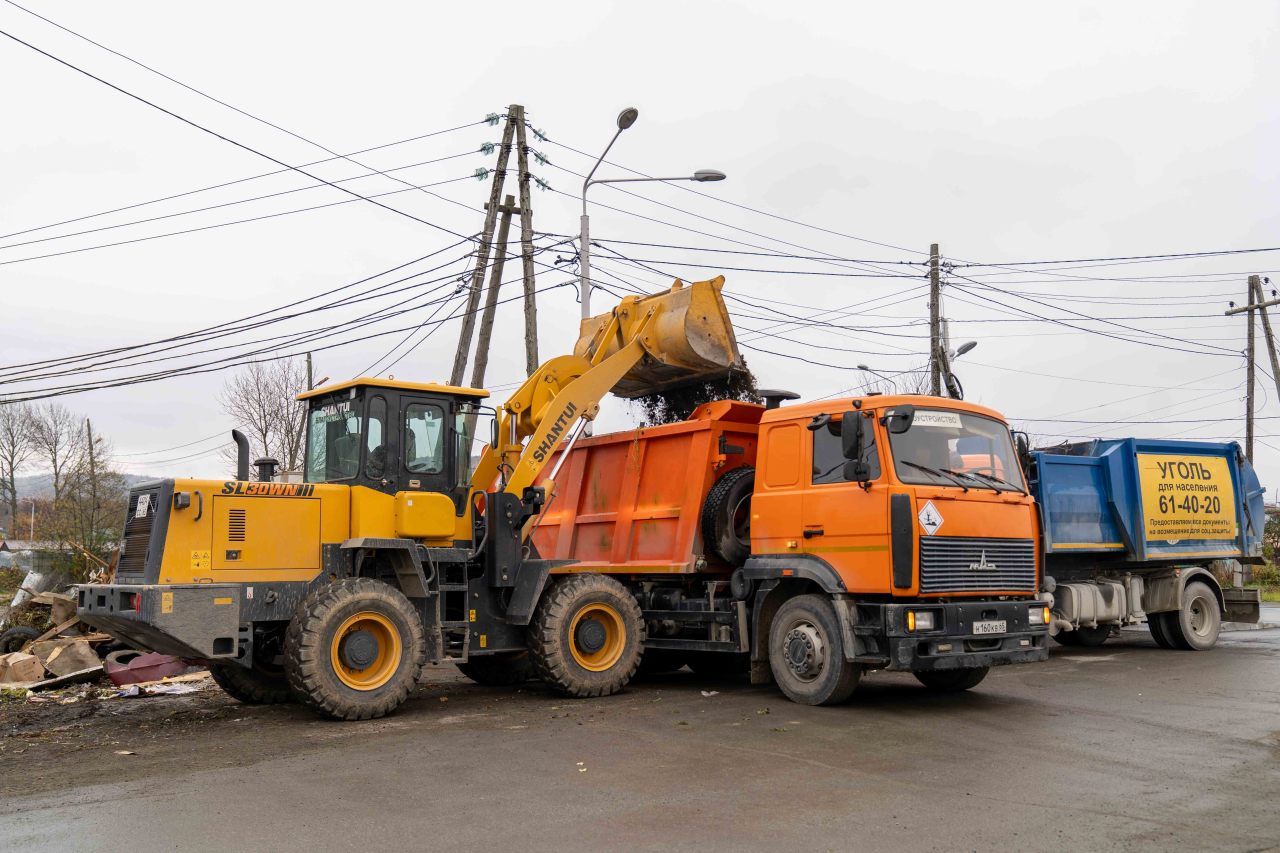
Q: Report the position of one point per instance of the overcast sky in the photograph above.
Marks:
(1006, 132)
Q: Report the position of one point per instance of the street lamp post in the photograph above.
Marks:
(892, 384)
(626, 118)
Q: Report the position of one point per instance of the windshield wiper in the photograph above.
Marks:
(937, 473)
(973, 477)
(996, 479)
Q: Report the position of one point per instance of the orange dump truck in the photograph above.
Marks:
(812, 543)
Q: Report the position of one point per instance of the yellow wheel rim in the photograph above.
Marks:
(358, 664)
(597, 637)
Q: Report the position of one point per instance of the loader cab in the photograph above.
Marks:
(393, 436)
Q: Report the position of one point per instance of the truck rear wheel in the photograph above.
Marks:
(1195, 625)
(354, 649)
(806, 653)
(952, 680)
(501, 670)
(586, 635)
(1159, 633)
(726, 516)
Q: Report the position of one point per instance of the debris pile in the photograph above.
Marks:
(676, 403)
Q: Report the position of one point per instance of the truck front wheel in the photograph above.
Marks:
(354, 649)
(952, 680)
(806, 653)
(1195, 625)
(586, 635)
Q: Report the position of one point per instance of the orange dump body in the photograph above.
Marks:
(632, 501)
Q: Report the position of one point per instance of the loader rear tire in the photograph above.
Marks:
(355, 649)
(586, 636)
(251, 686)
(1195, 625)
(500, 670)
(726, 516)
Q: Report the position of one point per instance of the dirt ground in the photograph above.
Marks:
(1124, 747)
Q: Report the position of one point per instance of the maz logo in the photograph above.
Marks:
(982, 565)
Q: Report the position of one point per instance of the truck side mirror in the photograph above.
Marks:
(899, 419)
(857, 471)
(851, 435)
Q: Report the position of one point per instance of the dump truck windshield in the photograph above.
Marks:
(952, 448)
(333, 439)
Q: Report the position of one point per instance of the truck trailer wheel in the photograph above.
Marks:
(806, 653)
(1195, 626)
(726, 516)
(952, 680)
(251, 686)
(586, 635)
(354, 649)
(501, 670)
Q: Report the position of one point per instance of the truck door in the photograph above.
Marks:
(845, 523)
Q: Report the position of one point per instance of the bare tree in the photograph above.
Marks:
(262, 401)
(93, 501)
(16, 448)
(58, 437)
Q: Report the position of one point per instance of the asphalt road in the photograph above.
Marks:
(1118, 748)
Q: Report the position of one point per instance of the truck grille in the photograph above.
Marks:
(969, 564)
(137, 535)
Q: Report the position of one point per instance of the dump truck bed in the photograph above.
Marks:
(632, 501)
(1149, 501)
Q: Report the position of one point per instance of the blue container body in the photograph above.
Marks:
(1149, 501)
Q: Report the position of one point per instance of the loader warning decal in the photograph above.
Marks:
(1187, 497)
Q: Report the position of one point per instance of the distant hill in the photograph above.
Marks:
(41, 485)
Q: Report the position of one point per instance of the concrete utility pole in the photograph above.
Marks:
(526, 245)
(1248, 409)
(93, 483)
(310, 381)
(935, 323)
(482, 251)
(491, 295)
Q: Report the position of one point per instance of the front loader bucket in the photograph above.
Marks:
(690, 339)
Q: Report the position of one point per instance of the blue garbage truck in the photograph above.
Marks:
(1131, 529)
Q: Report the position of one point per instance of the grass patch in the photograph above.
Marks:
(1271, 595)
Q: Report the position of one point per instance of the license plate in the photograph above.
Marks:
(991, 626)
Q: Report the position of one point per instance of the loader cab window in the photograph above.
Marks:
(828, 454)
(333, 439)
(424, 438)
(375, 464)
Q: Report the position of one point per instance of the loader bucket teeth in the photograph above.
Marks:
(691, 337)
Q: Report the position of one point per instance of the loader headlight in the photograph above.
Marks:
(919, 620)
(1038, 616)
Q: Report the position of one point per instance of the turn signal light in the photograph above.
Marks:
(922, 620)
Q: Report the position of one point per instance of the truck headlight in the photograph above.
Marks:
(919, 620)
(1038, 616)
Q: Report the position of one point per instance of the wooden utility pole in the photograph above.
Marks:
(93, 483)
(1255, 283)
(526, 245)
(1248, 408)
(935, 323)
(482, 251)
(491, 295)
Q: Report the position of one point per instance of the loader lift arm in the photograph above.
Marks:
(686, 335)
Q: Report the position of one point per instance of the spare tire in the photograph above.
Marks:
(726, 516)
(15, 638)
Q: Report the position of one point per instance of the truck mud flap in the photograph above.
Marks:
(1242, 605)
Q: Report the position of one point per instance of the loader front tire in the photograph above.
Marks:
(354, 649)
(586, 635)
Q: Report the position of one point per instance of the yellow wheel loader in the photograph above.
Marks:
(395, 550)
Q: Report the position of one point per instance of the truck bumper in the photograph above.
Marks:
(953, 643)
(195, 621)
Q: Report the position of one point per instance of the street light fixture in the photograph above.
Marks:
(626, 118)
(892, 384)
